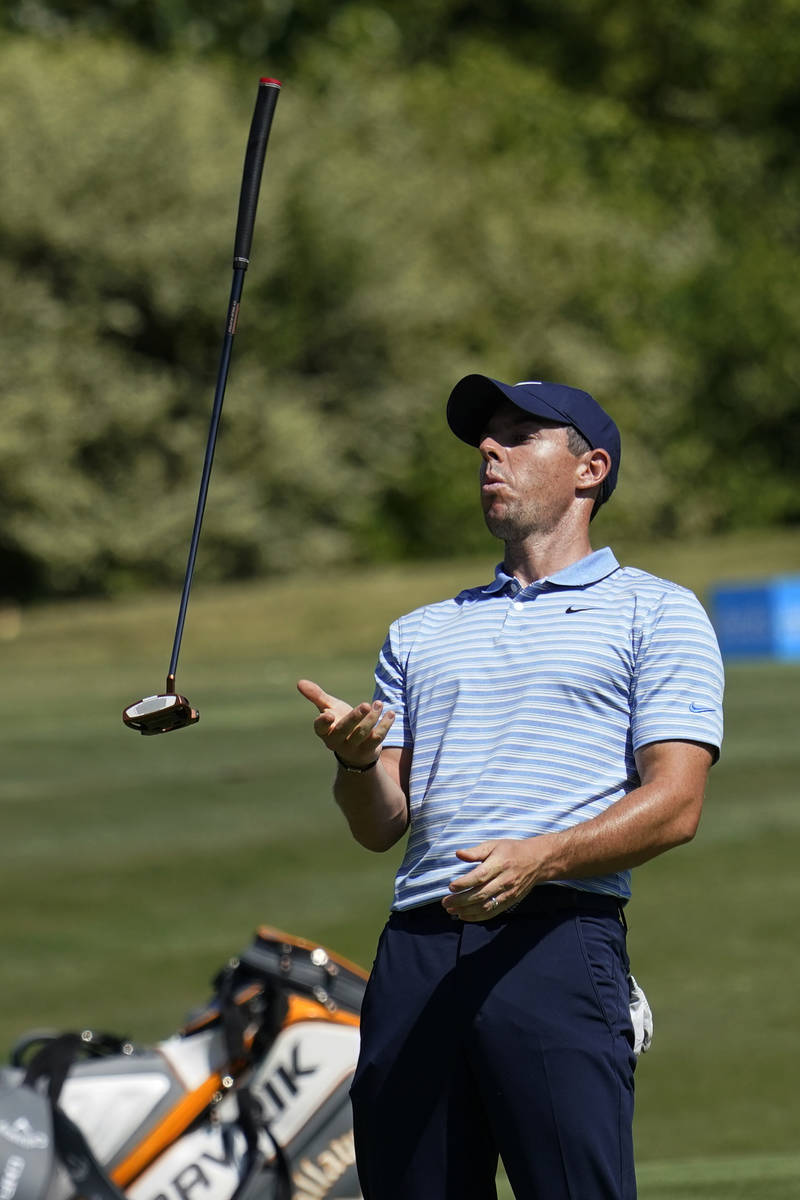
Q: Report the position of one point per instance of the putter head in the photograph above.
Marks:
(160, 714)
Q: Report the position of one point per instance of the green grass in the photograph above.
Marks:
(756, 1177)
(132, 868)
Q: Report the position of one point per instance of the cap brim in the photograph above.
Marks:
(474, 399)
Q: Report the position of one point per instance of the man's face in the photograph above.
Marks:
(527, 473)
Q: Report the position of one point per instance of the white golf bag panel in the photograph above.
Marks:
(117, 1101)
(302, 1087)
(249, 1100)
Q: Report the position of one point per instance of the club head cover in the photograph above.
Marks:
(26, 1140)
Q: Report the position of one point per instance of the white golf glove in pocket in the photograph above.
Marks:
(641, 1018)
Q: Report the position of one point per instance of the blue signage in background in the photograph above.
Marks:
(758, 619)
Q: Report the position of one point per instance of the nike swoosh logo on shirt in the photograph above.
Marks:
(579, 608)
(701, 708)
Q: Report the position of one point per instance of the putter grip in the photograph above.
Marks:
(268, 90)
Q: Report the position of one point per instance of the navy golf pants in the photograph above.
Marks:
(509, 1037)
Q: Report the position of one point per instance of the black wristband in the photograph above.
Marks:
(354, 770)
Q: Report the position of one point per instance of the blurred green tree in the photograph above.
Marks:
(482, 208)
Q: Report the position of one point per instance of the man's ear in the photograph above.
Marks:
(593, 468)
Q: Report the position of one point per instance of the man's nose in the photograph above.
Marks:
(491, 450)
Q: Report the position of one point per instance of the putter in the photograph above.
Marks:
(168, 711)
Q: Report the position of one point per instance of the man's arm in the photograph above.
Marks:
(374, 801)
(664, 811)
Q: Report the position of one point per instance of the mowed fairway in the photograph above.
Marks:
(133, 867)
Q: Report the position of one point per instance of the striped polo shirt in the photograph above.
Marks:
(524, 706)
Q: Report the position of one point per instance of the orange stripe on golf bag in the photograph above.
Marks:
(174, 1124)
(301, 1009)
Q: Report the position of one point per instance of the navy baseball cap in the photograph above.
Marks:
(475, 397)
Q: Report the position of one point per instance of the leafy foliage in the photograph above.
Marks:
(594, 193)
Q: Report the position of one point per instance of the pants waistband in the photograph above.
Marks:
(551, 897)
(545, 899)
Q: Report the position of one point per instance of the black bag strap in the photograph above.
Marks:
(252, 1121)
(51, 1064)
(89, 1178)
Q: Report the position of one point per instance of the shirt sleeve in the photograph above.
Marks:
(678, 677)
(390, 688)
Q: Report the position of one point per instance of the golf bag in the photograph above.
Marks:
(248, 1101)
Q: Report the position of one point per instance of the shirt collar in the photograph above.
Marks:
(591, 569)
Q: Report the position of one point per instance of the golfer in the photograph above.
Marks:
(536, 737)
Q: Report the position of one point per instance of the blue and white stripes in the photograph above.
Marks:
(524, 706)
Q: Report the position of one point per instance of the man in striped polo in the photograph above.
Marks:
(537, 737)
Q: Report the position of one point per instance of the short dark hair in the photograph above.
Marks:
(576, 442)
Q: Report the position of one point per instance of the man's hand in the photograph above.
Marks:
(375, 802)
(355, 734)
(661, 813)
(506, 872)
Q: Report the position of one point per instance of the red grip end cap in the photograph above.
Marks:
(274, 82)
